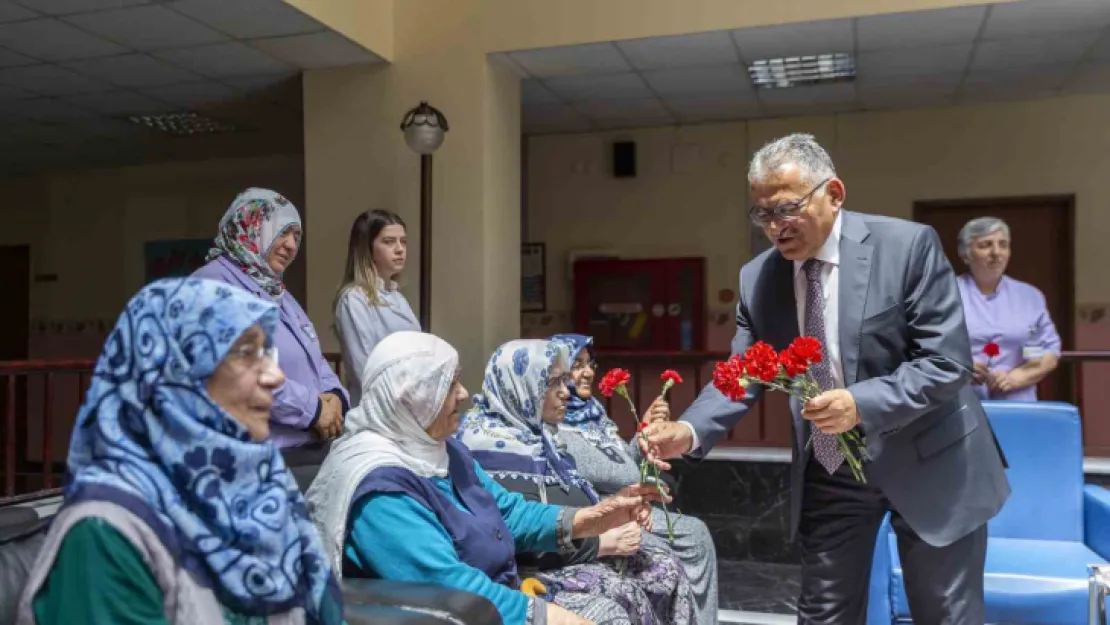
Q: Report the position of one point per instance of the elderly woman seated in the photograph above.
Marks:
(608, 462)
(177, 507)
(398, 498)
(512, 431)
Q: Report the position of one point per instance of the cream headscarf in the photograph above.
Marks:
(404, 384)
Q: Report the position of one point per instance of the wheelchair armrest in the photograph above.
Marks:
(1096, 519)
(430, 601)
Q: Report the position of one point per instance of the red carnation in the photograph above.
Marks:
(641, 427)
(792, 363)
(761, 362)
(726, 378)
(991, 349)
(613, 380)
(806, 348)
(670, 375)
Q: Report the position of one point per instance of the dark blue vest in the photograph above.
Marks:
(481, 537)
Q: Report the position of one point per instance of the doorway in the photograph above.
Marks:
(15, 318)
(1042, 232)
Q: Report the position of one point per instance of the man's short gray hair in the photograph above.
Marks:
(979, 227)
(800, 149)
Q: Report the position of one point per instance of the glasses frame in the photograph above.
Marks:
(786, 211)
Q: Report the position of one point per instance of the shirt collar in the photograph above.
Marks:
(830, 251)
(386, 286)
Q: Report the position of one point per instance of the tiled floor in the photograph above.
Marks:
(751, 586)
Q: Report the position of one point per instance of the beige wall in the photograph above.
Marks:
(89, 227)
(888, 160)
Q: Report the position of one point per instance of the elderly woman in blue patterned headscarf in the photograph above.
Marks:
(512, 432)
(178, 509)
(593, 440)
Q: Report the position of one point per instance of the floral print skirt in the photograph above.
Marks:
(652, 590)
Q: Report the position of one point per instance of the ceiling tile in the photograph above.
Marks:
(225, 59)
(633, 112)
(316, 51)
(146, 28)
(533, 92)
(620, 86)
(65, 7)
(50, 80)
(698, 81)
(1005, 56)
(680, 51)
(553, 118)
(44, 109)
(54, 40)
(694, 110)
(904, 65)
(249, 19)
(11, 12)
(1091, 77)
(1010, 20)
(193, 95)
(999, 87)
(260, 82)
(919, 28)
(8, 92)
(119, 102)
(133, 70)
(905, 96)
(1100, 51)
(593, 58)
(11, 59)
(830, 93)
(796, 109)
(802, 39)
(941, 84)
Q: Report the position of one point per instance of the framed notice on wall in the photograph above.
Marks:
(533, 277)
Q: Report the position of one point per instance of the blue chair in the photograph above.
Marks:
(1041, 542)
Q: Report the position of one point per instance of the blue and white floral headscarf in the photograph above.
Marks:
(150, 439)
(587, 416)
(505, 430)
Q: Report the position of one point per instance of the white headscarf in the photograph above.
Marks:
(404, 384)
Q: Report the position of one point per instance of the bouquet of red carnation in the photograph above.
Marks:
(786, 371)
(616, 381)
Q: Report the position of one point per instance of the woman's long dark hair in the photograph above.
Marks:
(360, 272)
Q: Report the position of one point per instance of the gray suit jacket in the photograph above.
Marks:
(907, 362)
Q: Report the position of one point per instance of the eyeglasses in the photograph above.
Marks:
(783, 212)
(579, 366)
(557, 381)
(254, 356)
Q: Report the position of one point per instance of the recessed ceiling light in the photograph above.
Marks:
(795, 71)
(182, 124)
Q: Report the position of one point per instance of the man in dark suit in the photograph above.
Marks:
(881, 297)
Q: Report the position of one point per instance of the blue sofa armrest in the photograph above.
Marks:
(1096, 519)
(879, 610)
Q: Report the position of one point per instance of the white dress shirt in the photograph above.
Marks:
(829, 255)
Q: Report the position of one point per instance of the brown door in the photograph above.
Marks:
(15, 285)
(1043, 249)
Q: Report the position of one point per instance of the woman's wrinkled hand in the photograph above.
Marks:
(621, 541)
(632, 507)
(557, 615)
(981, 373)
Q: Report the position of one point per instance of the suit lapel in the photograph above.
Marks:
(855, 277)
(784, 299)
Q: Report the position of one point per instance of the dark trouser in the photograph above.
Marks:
(839, 522)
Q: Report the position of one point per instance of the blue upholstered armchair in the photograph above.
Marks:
(1039, 546)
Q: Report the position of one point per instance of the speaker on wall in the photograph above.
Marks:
(624, 159)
